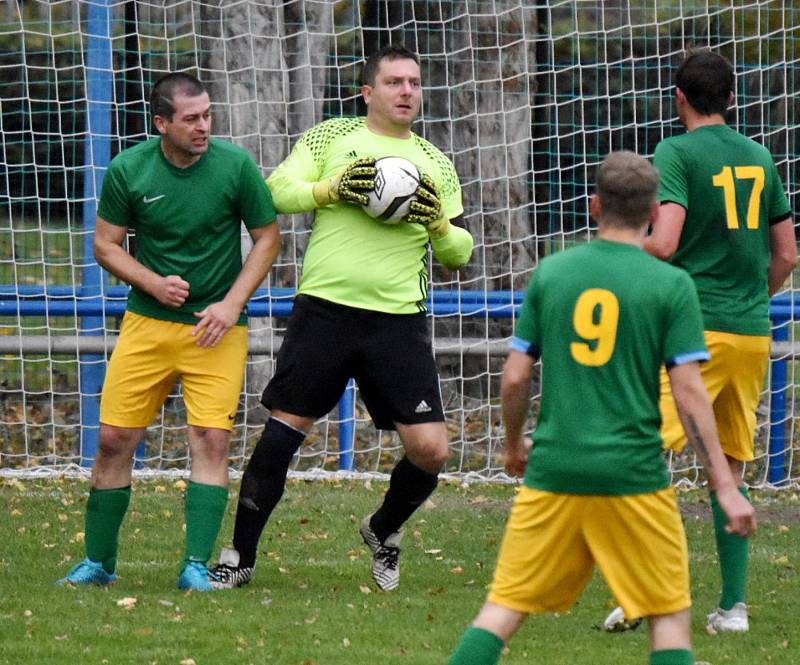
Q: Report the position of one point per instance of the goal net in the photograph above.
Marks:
(526, 98)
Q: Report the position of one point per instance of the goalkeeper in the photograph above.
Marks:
(603, 317)
(359, 311)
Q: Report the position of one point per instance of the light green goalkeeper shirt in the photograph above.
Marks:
(351, 258)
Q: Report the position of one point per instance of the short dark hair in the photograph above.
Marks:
(165, 89)
(389, 52)
(626, 186)
(706, 78)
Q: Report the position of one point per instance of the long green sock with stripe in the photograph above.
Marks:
(477, 647)
(734, 556)
(204, 506)
(105, 511)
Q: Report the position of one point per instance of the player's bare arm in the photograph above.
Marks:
(666, 232)
(171, 290)
(697, 417)
(783, 254)
(515, 388)
(216, 319)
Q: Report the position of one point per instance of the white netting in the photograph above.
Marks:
(525, 97)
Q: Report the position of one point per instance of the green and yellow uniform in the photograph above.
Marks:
(351, 258)
(187, 223)
(732, 193)
(603, 317)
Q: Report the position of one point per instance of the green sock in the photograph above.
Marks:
(734, 554)
(105, 511)
(204, 507)
(477, 647)
(672, 657)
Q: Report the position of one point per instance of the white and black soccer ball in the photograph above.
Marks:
(396, 182)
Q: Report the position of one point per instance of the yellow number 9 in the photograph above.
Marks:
(595, 319)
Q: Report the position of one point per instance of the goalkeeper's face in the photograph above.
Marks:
(189, 129)
(395, 98)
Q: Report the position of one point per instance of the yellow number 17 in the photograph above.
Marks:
(724, 179)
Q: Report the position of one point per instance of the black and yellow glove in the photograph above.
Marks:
(426, 209)
(351, 185)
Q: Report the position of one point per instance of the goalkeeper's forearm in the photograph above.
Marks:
(453, 250)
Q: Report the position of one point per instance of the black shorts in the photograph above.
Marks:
(389, 356)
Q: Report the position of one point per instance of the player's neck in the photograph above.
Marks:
(177, 157)
(627, 236)
(386, 128)
(695, 120)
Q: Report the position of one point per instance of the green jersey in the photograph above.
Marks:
(732, 192)
(604, 317)
(351, 258)
(187, 221)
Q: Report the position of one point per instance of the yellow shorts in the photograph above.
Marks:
(151, 354)
(552, 542)
(734, 377)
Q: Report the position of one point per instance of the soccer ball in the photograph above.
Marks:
(395, 183)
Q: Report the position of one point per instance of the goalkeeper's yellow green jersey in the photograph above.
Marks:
(351, 258)
(604, 317)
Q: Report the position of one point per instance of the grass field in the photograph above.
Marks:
(312, 601)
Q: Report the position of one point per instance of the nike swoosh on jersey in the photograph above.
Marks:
(151, 200)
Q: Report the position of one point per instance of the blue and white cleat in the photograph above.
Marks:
(196, 577)
(88, 572)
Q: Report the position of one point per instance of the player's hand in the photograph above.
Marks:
(516, 455)
(741, 515)
(171, 291)
(351, 185)
(426, 209)
(214, 321)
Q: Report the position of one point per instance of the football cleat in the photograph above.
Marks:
(88, 572)
(617, 623)
(733, 620)
(385, 556)
(195, 577)
(227, 574)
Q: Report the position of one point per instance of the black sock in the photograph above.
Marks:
(262, 486)
(409, 487)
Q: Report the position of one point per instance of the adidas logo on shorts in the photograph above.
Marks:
(423, 407)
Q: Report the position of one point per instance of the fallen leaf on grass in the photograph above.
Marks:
(127, 603)
(457, 570)
(188, 661)
(365, 589)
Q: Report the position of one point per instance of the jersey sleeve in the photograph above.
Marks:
(115, 207)
(779, 208)
(453, 250)
(255, 201)
(527, 332)
(672, 186)
(291, 184)
(683, 337)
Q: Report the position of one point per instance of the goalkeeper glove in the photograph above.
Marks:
(426, 209)
(352, 185)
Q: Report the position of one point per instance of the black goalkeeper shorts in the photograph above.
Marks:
(389, 356)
